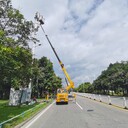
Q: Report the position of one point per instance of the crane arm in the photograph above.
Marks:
(71, 83)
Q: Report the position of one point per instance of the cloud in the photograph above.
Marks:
(88, 35)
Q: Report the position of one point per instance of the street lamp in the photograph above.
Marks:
(33, 54)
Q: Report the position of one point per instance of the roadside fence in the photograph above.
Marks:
(111, 100)
(22, 115)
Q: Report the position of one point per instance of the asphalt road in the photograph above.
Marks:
(85, 113)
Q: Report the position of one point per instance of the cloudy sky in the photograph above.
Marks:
(88, 35)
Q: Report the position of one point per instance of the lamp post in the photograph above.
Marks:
(33, 56)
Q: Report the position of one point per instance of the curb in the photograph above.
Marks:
(27, 120)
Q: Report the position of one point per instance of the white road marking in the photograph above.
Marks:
(79, 106)
(39, 116)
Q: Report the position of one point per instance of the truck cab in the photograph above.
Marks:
(62, 96)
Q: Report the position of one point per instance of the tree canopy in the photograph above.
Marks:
(17, 30)
(46, 81)
(114, 79)
(85, 87)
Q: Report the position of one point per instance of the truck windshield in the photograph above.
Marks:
(61, 91)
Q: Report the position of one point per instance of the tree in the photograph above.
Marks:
(46, 81)
(17, 30)
(15, 68)
(85, 87)
(114, 79)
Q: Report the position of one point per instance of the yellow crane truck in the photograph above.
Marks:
(62, 93)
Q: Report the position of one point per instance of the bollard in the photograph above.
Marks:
(75, 97)
(100, 98)
(125, 103)
(109, 100)
(47, 98)
(90, 96)
(94, 97)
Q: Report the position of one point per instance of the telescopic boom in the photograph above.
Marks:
(71, 83)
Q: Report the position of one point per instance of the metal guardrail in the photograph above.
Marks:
(20, 115)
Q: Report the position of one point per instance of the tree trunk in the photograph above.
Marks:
(1, 94)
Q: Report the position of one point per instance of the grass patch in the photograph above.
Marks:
(7, 112)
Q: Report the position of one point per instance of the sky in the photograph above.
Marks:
(88, 35)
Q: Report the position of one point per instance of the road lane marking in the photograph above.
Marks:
(39, 115)
(79, 106)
